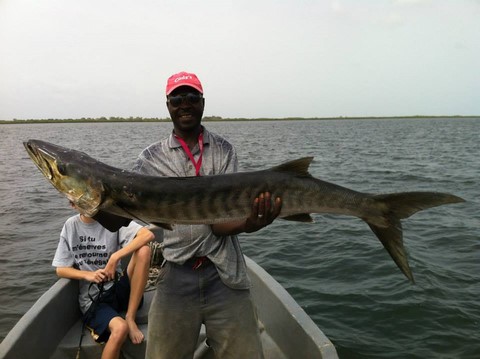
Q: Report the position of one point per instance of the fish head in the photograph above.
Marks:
(70, 172)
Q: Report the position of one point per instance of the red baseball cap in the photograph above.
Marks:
(183, 79)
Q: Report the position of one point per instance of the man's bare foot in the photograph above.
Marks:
(135, 334)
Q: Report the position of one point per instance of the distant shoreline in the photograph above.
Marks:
(220, 119)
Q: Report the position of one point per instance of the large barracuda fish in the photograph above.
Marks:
(114, 196)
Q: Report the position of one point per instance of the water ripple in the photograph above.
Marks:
(335, 268)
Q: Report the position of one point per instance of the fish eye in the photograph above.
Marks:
(61, 168)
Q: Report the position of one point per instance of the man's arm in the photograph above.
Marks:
(261, 216)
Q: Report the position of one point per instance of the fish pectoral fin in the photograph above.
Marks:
(302, 217)
(111, 221)
(167, 226)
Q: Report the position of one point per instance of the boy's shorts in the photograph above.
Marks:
(114, 302)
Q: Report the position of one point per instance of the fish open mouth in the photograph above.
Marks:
(42, 159)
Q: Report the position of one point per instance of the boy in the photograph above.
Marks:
(91, 254)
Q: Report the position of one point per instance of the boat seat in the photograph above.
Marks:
(90, 349)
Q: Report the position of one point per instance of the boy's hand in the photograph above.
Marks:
(98, 276)
(111, 267)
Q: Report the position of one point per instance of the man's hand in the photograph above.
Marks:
(263, 213)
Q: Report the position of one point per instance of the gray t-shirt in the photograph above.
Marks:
(167, 158)
(88, 246)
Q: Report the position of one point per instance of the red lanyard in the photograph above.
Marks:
(197, 164)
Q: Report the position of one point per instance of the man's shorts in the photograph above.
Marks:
(114, 302)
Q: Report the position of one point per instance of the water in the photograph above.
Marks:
(336, 269)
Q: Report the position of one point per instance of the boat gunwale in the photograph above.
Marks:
(31, 337)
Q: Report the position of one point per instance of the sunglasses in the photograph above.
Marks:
(191, 98)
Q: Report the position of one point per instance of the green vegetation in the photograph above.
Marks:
(87, 119)
(211, 119)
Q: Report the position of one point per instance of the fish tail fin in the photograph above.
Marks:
(404, 204)
(392, 239)
(398, 206)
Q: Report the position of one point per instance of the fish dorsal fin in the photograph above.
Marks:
(299, 166)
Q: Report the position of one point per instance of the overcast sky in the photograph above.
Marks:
(255, 58)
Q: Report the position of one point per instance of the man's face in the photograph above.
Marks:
(185, 105)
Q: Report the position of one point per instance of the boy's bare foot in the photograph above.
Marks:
(135, 334)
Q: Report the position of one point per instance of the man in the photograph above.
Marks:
(91, 254)
(204, 278)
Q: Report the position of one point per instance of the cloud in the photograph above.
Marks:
(412, 2)
(336, 6)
